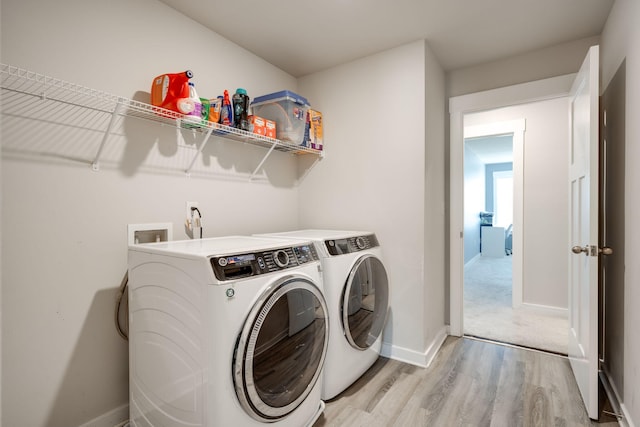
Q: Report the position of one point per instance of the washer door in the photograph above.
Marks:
(280, 352)
(365, 302)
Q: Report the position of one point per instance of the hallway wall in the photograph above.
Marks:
(620, 42)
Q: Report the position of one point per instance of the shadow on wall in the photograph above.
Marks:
(89, 389)
(178, 150)
(44, 130)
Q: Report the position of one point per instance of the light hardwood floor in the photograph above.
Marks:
(469, 383)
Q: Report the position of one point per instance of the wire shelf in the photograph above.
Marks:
(19, 83)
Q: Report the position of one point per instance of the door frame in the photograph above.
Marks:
(540, 90)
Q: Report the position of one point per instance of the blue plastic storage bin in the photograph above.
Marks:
(288, 110)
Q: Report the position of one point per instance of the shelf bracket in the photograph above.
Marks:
(264, 159)
(112, 122)
(200, 148)
(315, 162)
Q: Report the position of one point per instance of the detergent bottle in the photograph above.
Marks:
(226, 114)
(241, 109)
(195, 113)
(168, 89)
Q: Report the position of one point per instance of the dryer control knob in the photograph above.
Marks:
(281, 258)
(361, 243)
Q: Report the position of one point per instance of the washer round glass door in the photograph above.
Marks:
(281, 350)
(365, 301)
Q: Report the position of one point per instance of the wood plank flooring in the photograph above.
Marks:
(469, 383)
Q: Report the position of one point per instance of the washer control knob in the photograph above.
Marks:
(222, 262)
(361, 243)
(281, 258)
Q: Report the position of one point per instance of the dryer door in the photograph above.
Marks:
(365, 302)
(280, 352)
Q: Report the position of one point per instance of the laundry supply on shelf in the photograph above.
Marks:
(171, 92)
(316, 140)
(289, 112)
(215, 109)
(226, 114)
(195, 113)
(241, 110)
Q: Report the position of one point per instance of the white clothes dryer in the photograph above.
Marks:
(229, 331)
(356, 289)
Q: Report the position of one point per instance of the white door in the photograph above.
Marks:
(583, 222)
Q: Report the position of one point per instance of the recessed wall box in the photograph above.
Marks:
(148, 233)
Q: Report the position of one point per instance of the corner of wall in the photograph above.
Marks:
(413, 357)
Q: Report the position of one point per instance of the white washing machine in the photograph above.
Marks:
(356, 288)
(228, 331)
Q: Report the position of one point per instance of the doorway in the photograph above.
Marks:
(488, 237)
(523, 298)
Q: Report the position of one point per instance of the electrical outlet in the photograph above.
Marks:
(189, 214)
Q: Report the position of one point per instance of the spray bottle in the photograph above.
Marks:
(226, 114)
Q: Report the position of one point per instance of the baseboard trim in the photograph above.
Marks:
(413, 357)
(627, 417)
(114, 418)
(624, 418)
(473, 260)
(546, 308)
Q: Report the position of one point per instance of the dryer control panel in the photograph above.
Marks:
(247, 264)
(351, 244)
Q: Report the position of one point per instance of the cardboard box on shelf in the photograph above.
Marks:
(316, 139)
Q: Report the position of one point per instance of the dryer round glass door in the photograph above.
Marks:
(280, 352)
(365, 302)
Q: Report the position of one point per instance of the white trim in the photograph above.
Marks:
(115, 417)
(539, 90)
(473, 260)
(413, 357)
(614, 399)
(546, 308)
(627, 417)
(459, 106)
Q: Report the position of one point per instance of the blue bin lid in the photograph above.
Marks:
(282, 94)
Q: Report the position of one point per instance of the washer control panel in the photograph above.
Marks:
(237, 266)
(351, 244)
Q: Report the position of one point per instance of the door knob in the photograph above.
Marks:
(580, 249)
(606, 250)
(603, 251)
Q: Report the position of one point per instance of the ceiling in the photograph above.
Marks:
(305, 36)
(492, 149)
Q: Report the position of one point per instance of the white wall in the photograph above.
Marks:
(620, 40)
(434, 295)
(64, 226)
(373, 177)
(545, 196)
(553, 61)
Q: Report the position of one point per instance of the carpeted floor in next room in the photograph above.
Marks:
(488, 311)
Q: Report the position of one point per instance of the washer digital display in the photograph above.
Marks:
(240, 259)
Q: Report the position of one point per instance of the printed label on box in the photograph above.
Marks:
(258, 125)
(316, 130)
(270, 128)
